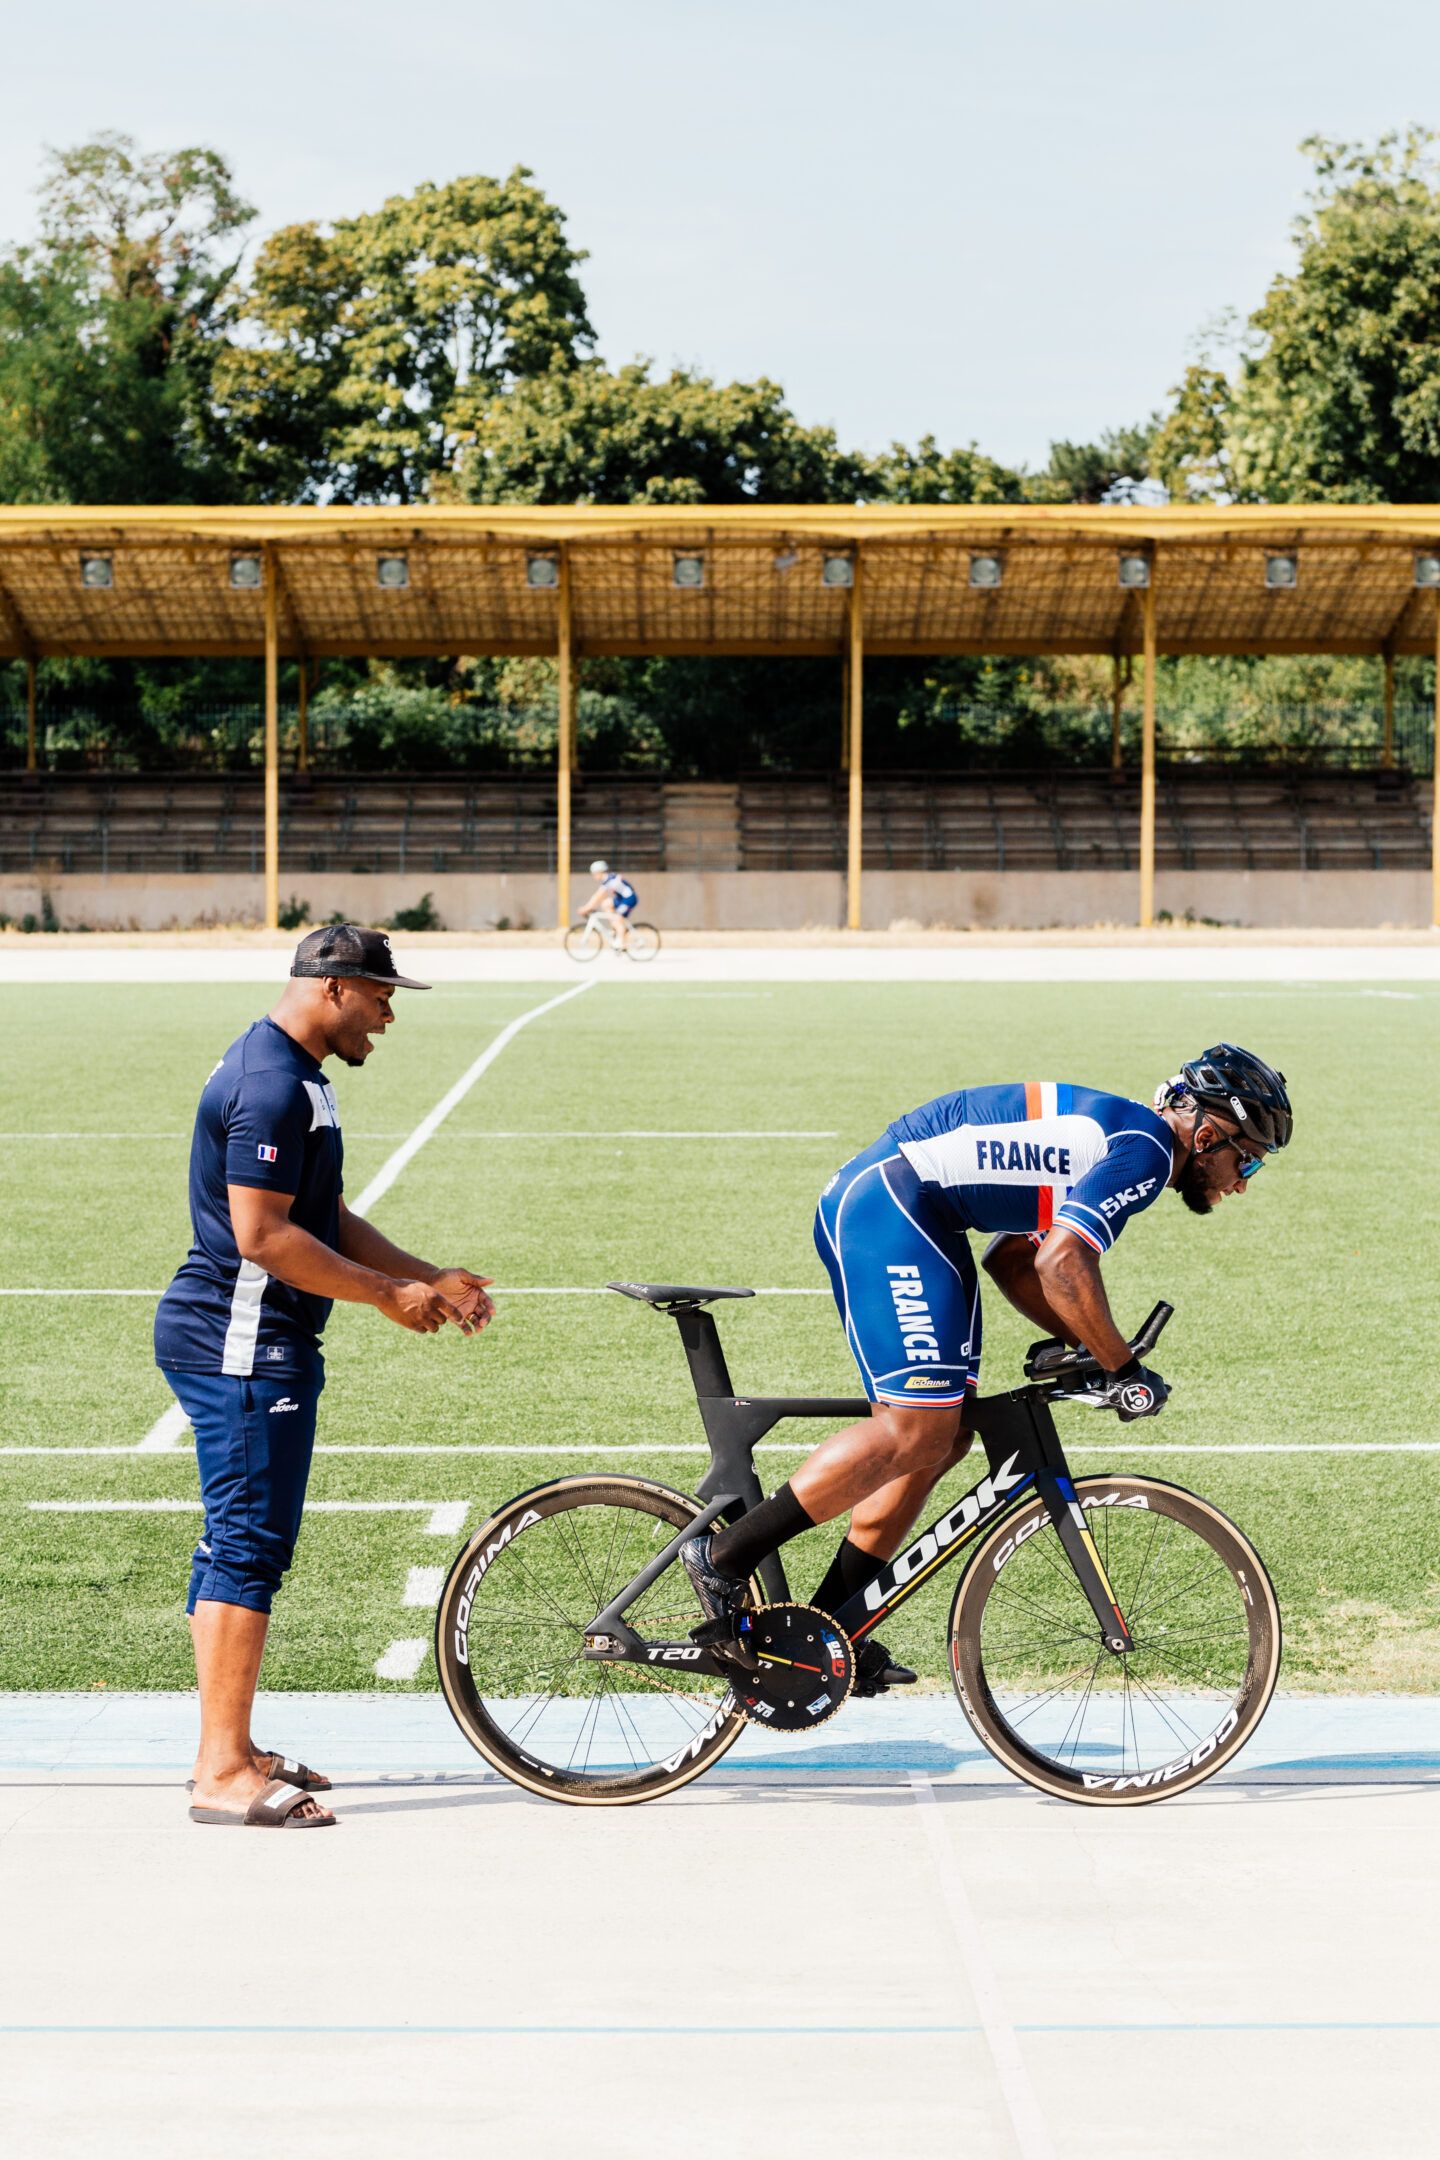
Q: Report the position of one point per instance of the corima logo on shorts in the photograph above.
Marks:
(923, 1380)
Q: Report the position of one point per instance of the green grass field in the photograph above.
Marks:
(1305, 1312)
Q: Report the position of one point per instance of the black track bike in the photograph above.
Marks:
(1112, 1639)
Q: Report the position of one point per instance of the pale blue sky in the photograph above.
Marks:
(999, 222)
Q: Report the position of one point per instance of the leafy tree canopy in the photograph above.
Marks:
(368, 346)
(109, 324)
(585, 435)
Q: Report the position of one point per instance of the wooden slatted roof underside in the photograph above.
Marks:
(762, 589)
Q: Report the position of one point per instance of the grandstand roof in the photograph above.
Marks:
(762, 589)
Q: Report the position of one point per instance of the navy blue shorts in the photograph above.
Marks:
(253, 1442)
(904, 1279)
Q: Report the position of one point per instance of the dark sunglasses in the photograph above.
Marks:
(1249, 1163)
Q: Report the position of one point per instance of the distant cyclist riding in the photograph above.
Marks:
(1054, 1171)
(606, 919)
(614, 895)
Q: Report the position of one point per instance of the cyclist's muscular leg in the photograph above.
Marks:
(901, 1448)
(880, 1523)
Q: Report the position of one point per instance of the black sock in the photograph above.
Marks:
(848, 1572)
(740, 1549)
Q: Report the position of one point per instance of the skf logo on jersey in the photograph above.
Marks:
(922, 1380)
(917, 1329)
(1130, 1197)
(283, 1404)
(267, 1154)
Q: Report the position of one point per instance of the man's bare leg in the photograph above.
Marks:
(229, 1644)
(898, 1442)
(880, 1524)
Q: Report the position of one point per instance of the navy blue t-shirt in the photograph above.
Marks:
(267, 1118)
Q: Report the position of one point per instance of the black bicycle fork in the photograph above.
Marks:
(1022, 1450)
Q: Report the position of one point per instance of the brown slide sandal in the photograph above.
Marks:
(273, 1808)
(281, 1766)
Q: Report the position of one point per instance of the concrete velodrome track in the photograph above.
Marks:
(875, 1943)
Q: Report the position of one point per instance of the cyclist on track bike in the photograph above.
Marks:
(615, 896)
(1055, 1172)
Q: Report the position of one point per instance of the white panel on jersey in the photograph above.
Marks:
(1047, 1150)
(239, 1356)
(322, 1102)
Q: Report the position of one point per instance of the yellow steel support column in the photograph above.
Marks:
(1147, 766)
(856, 672)
(1435, 787)
(565, 748)
(30, 711)
(272, 748)
(302, 720)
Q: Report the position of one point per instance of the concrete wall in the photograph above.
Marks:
(760, 899)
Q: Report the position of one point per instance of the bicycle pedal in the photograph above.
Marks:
(715, 1634)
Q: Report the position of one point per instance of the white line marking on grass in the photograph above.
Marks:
(94, 1136)
(423, 1586)
(403, 1659)
(1031, 2135)
(446, 1516)
(643, 1133)
(386, 1175)
(164, 1435)
(82, 1293)
(774, 1447)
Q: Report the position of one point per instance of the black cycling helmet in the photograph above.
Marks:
(1241, 1086)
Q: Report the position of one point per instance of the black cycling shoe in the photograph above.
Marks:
(876, 1671)
(721, 1596)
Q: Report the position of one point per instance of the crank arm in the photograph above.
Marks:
(1080, 1549)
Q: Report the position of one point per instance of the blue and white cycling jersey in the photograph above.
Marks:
(621, 891)
(1031, 1154)
(1025, 1158)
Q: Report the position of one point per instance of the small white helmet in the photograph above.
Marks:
(599, 869)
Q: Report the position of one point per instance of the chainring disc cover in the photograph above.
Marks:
(805, 1671)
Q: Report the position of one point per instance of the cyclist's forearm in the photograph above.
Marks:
(1069, 1276)
(1010, 1263)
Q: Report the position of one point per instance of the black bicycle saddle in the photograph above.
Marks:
(665, 1297)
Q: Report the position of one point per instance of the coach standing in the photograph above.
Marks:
(238, 1332)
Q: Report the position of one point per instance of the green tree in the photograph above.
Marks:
(1191, 450)
(368, 348)
(109, 324)
(585, 435)
(927, 474)
(1340, 400)
(1088, 472)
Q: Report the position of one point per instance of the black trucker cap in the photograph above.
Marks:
(347, 949)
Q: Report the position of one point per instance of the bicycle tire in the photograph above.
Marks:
(582, 942)
(1064, 1714)
(490, 1651)
(648, 941)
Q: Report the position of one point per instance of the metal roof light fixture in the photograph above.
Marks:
(1427, 568)
(245, 573)
(392, 572)
(986, 572)
(542, 573)
(1134, 573)
(1282, 572)
(687, 572)
(97, 572)
(838, 571)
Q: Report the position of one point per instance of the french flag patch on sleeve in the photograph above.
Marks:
(267, 1154)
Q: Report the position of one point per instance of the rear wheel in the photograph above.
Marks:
(1056, 1707)
(642, 941)
(509, 1638)
(582, 941)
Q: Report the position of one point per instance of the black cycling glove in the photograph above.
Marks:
(1134, 1392)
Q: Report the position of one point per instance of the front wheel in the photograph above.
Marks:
(583, 941)
(1056, 1707)
(642, 941)
(510, 1638)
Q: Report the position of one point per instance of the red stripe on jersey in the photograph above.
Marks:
(1032, 1099)
(1045, 1208)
